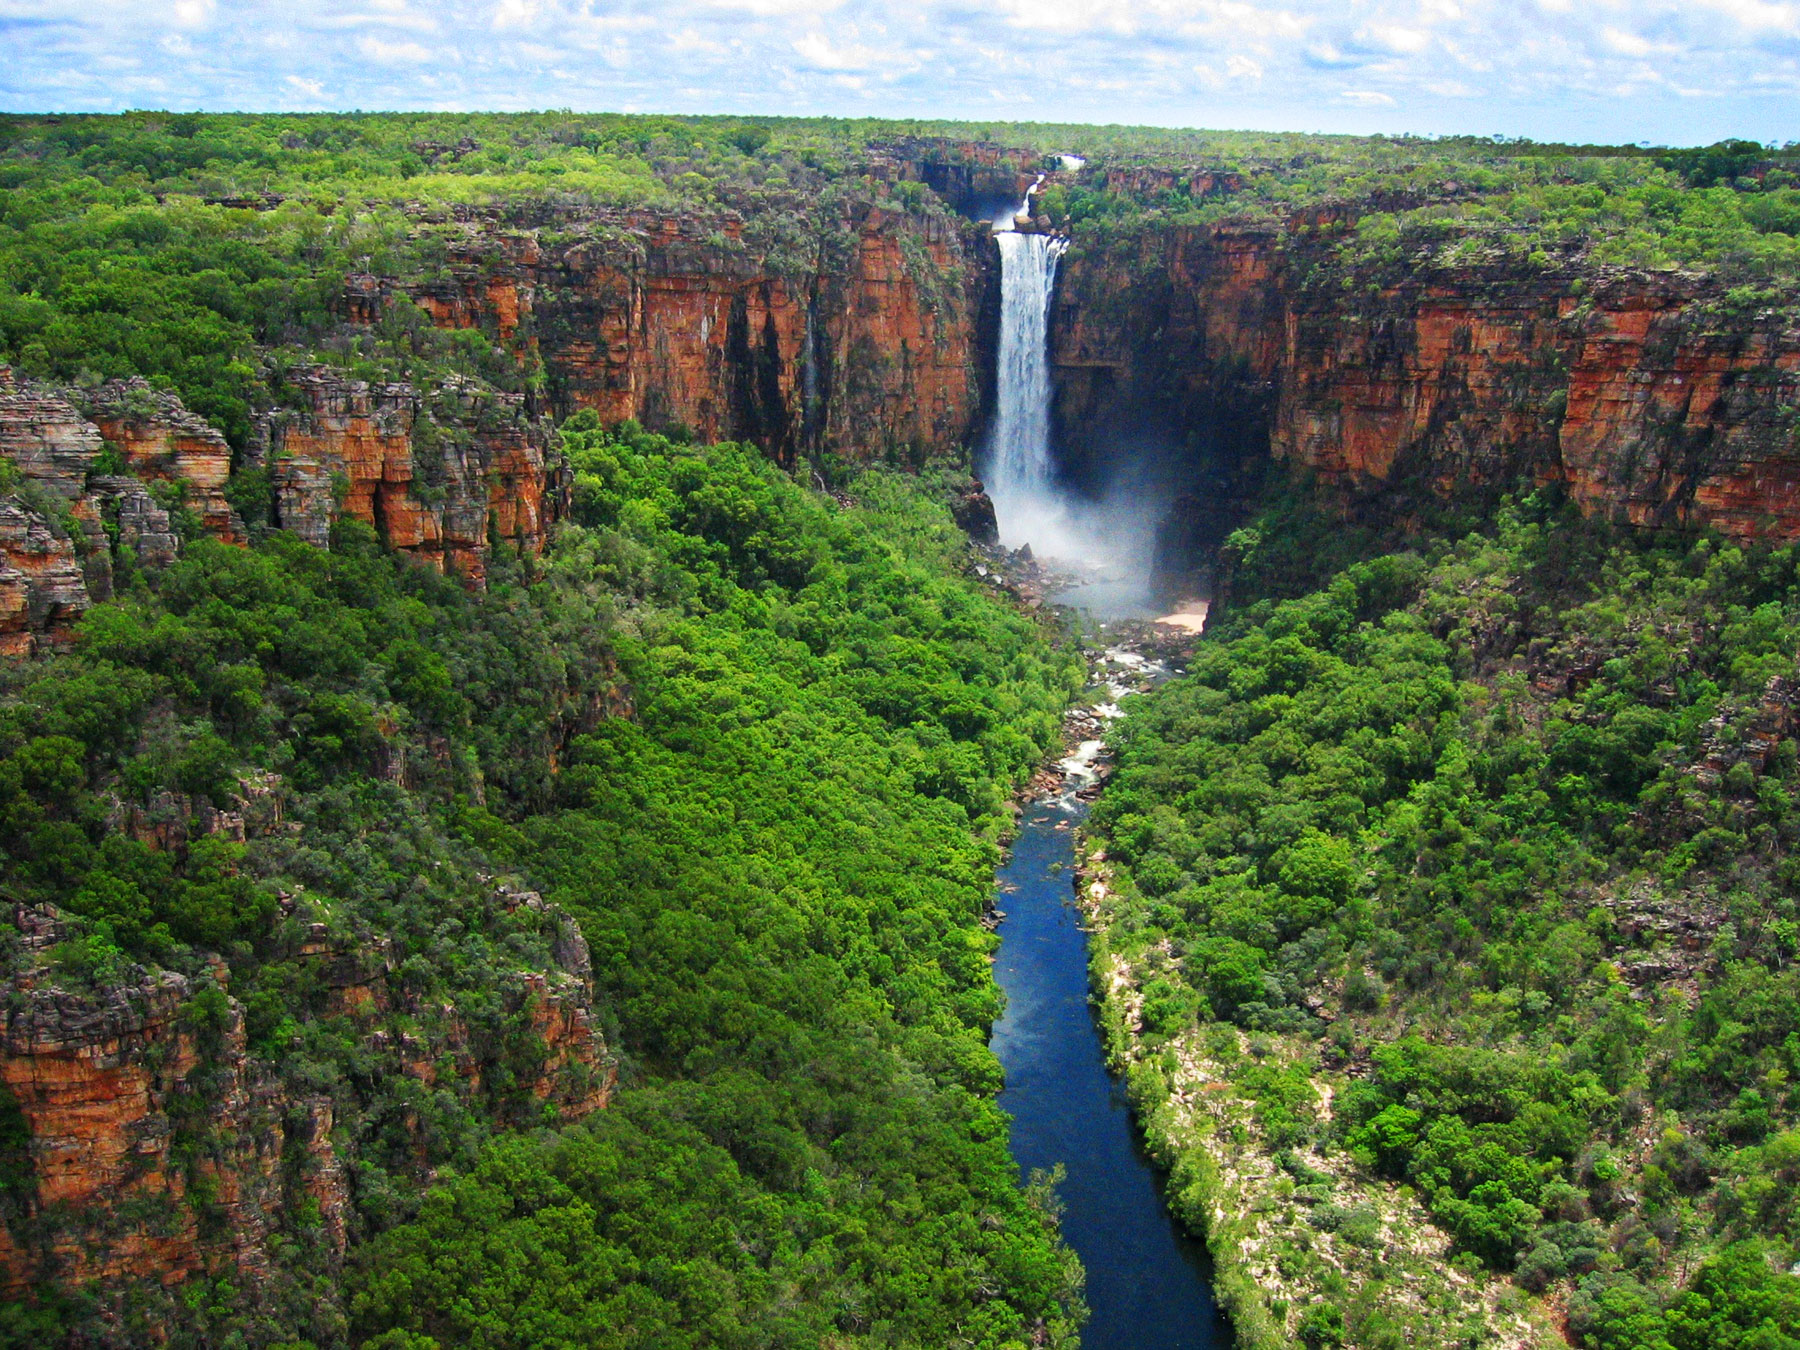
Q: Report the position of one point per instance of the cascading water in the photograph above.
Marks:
(1147, 1280)
(1105, 540)
(1019, 470)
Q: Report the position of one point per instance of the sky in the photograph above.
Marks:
(1687, 72)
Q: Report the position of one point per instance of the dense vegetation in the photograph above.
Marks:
(1491, 838)
(208, 252)
(1494, 840)
(757, 744)
(1734, 209)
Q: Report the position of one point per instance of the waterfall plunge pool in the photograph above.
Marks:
(1148, 1282)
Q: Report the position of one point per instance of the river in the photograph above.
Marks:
(1147, 1281)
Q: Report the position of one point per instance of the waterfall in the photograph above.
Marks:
(809, 379)
(1019, 476)
(1103, 533)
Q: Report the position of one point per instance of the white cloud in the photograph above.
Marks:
(1757, 14)
(769, 8)
(1257, 23)
(819, 52)
(515, 13)
(1630, 44)
(1331, 55)
(1394, 38)
(381, 16)
(395, 53)
(1693, 69)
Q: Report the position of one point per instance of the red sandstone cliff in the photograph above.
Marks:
(437, 473)
(161, 1147)
(1643, 393)
(857, 337)
(863, 345)
(162, 441)
(55, 556)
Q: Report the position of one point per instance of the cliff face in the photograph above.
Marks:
(56, 558)
(1642, 393)
(440, 474)
(1166, 353)
(866, 347)
(1679, 414)
(437, 474)
(162, 441)
(160, 1146)
(862, 341)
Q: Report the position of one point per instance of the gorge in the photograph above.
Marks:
(1188, 365)
(506, 745)
(1146, 1279)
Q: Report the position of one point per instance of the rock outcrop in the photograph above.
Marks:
(1646, 394)
(161, 1146)
(42, 588)
(112, 1084)
(48, 523)
(970, 176)
(57, 556)
(438, 473)
(162, 441)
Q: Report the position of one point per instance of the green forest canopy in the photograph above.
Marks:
(779, 846)
(203, 251)
(1510, 821)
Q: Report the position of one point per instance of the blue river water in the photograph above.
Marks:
(1147, 1280)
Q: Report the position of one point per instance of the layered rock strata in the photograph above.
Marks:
(65, 524)
(48, 523)
(162, 441)
(862, 343)
(42, 589)
(438, 474)
(1646, 394)
(441, 474)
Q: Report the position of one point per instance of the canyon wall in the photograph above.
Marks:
(440, 474)
(860, 337)
(1649, 396)
(56, 503)
(1199, 355)
(858, 340)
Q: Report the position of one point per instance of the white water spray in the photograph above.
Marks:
(1019, 472)
(1107, 543)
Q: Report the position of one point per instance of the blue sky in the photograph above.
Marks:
(1615, 70)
